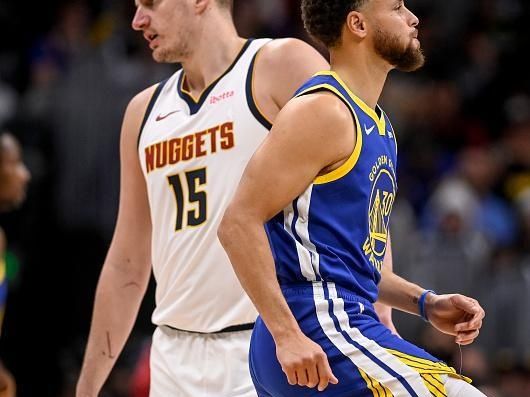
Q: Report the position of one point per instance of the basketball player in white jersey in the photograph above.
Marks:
(184, 145)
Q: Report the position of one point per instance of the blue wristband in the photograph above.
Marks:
(421, 304)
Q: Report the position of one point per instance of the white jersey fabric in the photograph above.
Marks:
(193, 153)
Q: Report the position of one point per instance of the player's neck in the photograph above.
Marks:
(212, 55)
(365, 74)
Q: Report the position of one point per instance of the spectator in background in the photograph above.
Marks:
(452, 246)
(14, 178)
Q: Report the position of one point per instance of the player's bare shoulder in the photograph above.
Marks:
(282, 66)
(135, 112)
(286, 56)
(320, 112)
(132, 123)
(321, 121)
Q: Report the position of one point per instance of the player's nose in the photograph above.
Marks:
(140, 19)
(413, 19)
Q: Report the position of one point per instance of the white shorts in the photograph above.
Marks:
(185, 364)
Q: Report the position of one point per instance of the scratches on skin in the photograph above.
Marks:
(109, 346)
(132, 284)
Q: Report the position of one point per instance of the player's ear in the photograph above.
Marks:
(202, 5)
(356, 24)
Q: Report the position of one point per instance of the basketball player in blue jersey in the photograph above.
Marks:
(184, 145)
(320, 190)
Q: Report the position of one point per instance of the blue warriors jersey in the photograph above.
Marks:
(328, 245)
(337, 230)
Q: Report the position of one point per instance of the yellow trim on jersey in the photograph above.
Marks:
(354, 157)
(199, 98)
(187, 92)
(380, 122)
(377, 389)
(252, 86)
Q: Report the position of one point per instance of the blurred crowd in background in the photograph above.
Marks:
(461, 223)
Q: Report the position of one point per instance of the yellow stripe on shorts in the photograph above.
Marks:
(377, 389)
(435, 384)
(430, 371)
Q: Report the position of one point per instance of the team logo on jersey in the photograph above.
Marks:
(381, 202)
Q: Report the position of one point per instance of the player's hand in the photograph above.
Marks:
(304, 362)
(456, 315)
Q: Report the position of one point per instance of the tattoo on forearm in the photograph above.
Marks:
(415, 300)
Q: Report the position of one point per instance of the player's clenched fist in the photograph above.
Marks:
(304, 362)
(456, 315)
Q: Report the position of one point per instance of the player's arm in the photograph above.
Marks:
(311, 134)
(384, 312)
(452, 314)
(127, 267)
(282, 66)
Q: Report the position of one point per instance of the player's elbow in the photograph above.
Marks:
(228, 228)
(239, 226)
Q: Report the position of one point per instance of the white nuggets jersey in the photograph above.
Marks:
(193, 153)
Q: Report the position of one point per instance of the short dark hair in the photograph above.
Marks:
(324, 19)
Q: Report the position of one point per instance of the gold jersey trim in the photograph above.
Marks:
(380, 121)
(349, 164)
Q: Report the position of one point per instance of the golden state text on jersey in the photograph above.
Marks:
(337, 230)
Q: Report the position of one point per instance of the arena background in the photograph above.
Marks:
(461, 223)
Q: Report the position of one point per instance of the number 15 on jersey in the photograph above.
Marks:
(190, 198)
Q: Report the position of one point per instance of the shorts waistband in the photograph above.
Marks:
(231, 328)
(320, 289)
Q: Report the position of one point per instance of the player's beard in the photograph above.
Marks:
(174, 55)
(390, 47)
(174, 52)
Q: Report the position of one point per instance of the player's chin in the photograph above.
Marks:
(157, 56)
(161, 56)
(411, 61)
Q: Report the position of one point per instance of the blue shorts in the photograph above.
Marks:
(367, 359)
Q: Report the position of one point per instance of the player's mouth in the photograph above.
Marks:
(151, 39)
